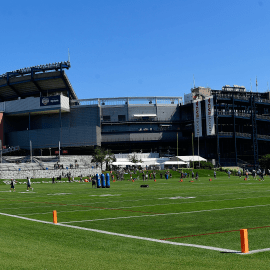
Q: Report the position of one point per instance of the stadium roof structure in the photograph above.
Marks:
(42, 80)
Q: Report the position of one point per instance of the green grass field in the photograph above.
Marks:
(203, 212)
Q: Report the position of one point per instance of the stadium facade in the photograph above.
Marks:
(40, 110)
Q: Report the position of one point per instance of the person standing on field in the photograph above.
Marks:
(239, 173)
(12, 183)
(29, 184)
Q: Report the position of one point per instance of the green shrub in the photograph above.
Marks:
(204, 165)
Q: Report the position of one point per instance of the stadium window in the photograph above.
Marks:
(106, 118)
(121, 118)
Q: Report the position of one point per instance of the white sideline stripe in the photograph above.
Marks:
(142, 238)
(127, 235)
(154, 215)
(256, 251)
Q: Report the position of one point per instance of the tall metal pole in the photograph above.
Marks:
(177, 151)
(193, 150)
(199, 150)
(59, 151)
(234, 131)
(30, 151)
(218, 150)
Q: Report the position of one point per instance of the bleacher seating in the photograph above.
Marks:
(44, 167)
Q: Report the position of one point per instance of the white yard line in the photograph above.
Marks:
(128, 207)
(31, 214)
(167, 214)
(141, 238)
(182, 202)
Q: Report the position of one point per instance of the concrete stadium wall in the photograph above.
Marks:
(170, 112)
(45, 138)
(131, 127)
(80, 127)
(164, 112)
(114, 111)
(128, 137)
(33, 104)
(133, 109)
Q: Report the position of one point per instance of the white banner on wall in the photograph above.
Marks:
(197, 118)
(209, 113)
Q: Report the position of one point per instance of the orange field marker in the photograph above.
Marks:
(54, 217)
(244, 240)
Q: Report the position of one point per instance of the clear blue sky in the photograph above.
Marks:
(124, 48)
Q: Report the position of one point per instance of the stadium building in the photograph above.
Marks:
(41, 111)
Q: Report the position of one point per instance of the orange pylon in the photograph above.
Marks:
(244, 241)
(54, 217)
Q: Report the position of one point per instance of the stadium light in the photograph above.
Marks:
(27, 70)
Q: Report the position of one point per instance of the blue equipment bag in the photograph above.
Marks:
(98, 181)
(103, 181)
(107, 180)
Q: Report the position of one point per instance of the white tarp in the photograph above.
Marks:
(209, 112)
(197, 118)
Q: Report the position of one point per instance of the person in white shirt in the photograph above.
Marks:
(29, 184)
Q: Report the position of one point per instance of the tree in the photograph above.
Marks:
(204, 165)
(134, 159)
(101, 156)
(109, 157)
(265, 161)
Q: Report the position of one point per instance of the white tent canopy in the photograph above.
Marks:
(145, 162)
(122, 163)
(191, 158)
(175, 162)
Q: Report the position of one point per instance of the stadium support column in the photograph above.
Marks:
(254, 130)
(218, 150)
(234, 131)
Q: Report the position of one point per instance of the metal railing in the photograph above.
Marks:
(241, 114)
(128, 101)
(240, 97)
(243, 135)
